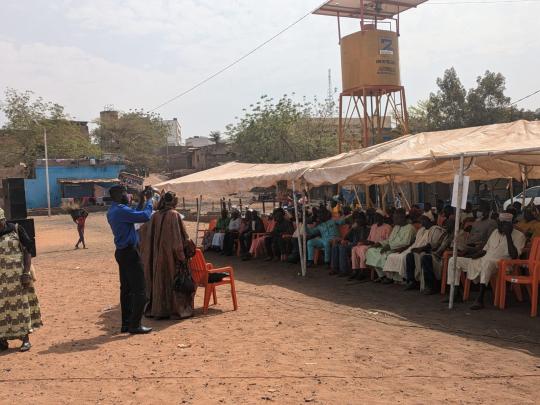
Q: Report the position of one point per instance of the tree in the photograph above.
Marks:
(284, 131)
(215, 136)
(452, 107)
(136, 135)
(445, 108)
(27, 117)
(487, 104)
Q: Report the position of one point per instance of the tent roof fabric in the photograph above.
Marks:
(492, 151)
(236, 177)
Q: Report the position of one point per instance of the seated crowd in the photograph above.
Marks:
(395, 246)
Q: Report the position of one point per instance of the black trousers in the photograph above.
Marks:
(228, 243)
(132, 287)
(275, 245)
(245, 242)
(427, 268)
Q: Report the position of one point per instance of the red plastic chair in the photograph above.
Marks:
(509, 273)
(200, 270)
(211, 227)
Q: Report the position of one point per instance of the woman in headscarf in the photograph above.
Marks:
(19, 306)
(162, 250)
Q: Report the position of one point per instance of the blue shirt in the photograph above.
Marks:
(121, 219)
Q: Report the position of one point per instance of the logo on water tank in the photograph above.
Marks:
(386, 46)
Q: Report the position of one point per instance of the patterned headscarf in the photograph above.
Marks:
(168, 201)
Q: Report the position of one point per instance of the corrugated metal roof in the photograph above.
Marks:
(82, 181)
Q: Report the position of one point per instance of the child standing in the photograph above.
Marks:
(80, 220)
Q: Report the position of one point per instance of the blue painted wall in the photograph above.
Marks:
(36, 194)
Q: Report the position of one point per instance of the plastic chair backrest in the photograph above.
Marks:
(343, 230)
(212, 225)
(270, 226)
(197, 265)
(534, 255)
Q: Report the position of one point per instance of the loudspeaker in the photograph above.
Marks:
(14, 198)
(28, 225)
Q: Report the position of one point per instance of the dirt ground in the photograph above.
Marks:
(294, 340)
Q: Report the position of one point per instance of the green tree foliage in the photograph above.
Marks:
(453, 107)
(136, 135)
(284, 131)
(487, 104)
(27, 118)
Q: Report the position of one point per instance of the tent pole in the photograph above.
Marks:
(524, 180)
(199, 203)
(300, 244)
(456, 229)
(304, 233)
(511, 191)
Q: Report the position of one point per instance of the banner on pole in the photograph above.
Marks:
(465, 192)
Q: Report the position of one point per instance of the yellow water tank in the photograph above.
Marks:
(370, 58)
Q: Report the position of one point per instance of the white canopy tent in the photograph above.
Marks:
(509, 150)
(491, 152)
(238, 177)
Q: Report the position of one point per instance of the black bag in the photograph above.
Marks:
(216, 277)
(183, 282)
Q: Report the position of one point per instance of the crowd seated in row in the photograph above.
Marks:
(395, 246)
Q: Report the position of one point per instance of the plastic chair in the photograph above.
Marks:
(200, 270)
(211, 227)
(531, 280)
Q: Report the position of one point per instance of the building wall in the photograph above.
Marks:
(198, 142)
(174, 136)
(36, 190)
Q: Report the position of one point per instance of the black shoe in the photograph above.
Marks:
(269, 259)
(387, 281)
(361, 276)
(429, 291)
(343, 275)
(25, 346)
(141, 330)
(477, 305)
(333, 273)
(411, 286)
(124, 329)
(3, 345)
(354, 275)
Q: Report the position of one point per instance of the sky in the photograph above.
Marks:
(133, 54)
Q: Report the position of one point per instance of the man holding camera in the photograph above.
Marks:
(122, 218)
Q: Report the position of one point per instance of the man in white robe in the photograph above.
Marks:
(395, 267)
(504, 243)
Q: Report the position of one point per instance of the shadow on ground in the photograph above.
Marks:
(511, 329)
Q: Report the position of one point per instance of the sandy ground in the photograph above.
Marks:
(293, 340)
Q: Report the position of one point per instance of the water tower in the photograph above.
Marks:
(372, 93)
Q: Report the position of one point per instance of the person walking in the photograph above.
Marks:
(19, 307)
(121, 219)
(80, 220)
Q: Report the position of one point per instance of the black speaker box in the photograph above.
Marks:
(14, 198)
(28, 225)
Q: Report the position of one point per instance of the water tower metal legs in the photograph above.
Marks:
(364, 120)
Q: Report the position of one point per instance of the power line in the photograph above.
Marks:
(525, 98)
(240, 59)
(230, 65)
